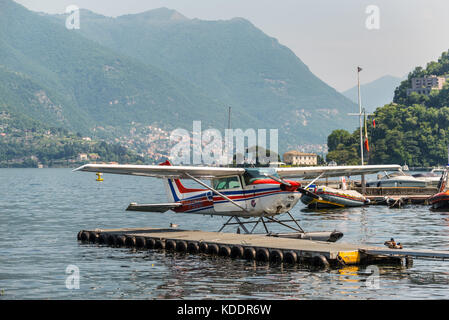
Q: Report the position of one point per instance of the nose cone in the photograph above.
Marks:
(294, 185)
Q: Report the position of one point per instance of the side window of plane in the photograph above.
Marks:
(233, 183)
(220, 184)
(227, 183)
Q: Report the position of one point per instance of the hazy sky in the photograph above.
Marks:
(330, 36)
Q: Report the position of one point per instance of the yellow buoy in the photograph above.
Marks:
(99, 178)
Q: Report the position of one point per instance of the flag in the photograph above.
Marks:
(366, 144)
(359, 69)
(374, 123)
(366, 134)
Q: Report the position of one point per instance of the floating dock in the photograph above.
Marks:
(259, 247)
(421, 193)
(398, 201)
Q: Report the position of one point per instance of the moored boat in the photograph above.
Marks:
(317, 197)
(431, 178)
(399, 179)
(441, 199)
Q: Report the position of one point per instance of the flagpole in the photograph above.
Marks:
(360, 113)
(363, 183)
(229, 130)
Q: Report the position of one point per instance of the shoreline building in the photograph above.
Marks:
(425, 85)
(294, 157)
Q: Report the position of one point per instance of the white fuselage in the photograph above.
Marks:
(254, 200)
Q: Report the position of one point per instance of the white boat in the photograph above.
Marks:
(400, 179)
(432, 178)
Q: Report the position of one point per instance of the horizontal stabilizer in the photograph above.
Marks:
(158, 207)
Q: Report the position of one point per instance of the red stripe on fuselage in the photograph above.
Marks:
(248, 196)
(271, 181)
(205, 202)
(194, 204)
(183, 189)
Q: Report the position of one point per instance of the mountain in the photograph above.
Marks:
(376, 93)
(119, 78)
(231, 61)
(61, 77)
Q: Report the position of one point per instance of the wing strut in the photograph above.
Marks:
(311, 182)
(310, 193)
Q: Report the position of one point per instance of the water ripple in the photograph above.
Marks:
(42, 210)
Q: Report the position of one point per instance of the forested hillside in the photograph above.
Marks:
(25, 142)
(414, 130)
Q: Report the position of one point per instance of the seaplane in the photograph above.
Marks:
(259, 194)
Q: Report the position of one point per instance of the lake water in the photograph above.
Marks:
(42, 210)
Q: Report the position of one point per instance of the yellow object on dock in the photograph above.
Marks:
(99, 178)
(349, 257)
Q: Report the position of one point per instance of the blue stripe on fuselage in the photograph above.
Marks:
(175, 197)
(256, 196)
(237, 200)
(240, 192)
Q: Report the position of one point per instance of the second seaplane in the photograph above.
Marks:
(257, 193)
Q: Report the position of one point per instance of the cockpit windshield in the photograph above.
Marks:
(252, 174)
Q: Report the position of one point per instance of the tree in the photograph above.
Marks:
(337, 137)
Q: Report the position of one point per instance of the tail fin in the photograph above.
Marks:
(170, 186)
(174, 188)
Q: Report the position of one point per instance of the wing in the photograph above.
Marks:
(158, 171)
(333, 171)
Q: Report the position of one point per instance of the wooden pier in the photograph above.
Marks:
(259, 247)
(422, 193)
(398, 201)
